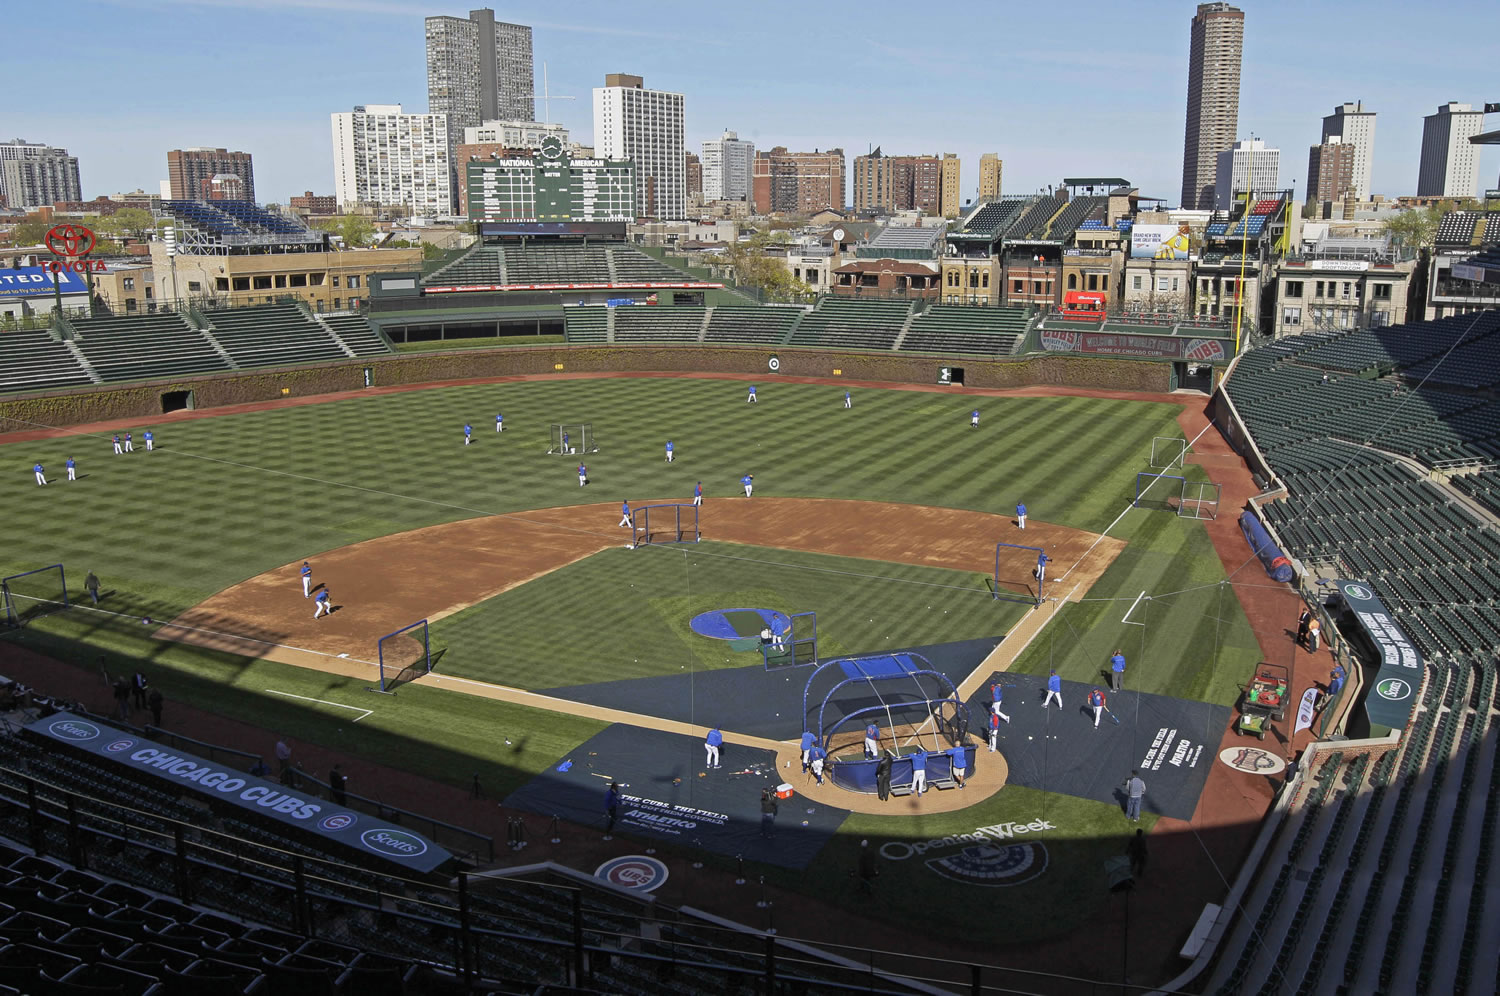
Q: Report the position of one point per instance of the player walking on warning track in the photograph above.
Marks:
(711, 744)
(1135, 790)
(117, 444)
(625, 515)
(807, 746)
(815, 760)
(468, 434)
(306, 573)
(918, 771)
(698, 493)
(1054, 690)
(41, 474)
(872, 740)
(751, 398)
(323, 604)
(997, 696)
(974, 419)
(499, 422)
(129, 446)
(583, 475)
(848, 401)
(1096, 703)
(1117, 671)
(150, 441)
(669, 451)
(749, 482)
(72, 469)
(1021, 516)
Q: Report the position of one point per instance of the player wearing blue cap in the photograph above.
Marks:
(711, 744)
(499, 422)
(669, 451)
(974, 418)
(468, 433)
(848, 401)
(752, 394)
(1021, 515)
(748, 481)
(1054, 689)
(625, 514)
(1040, 573)
(698, 493)
(918, 771)
(583, 475)
(997, 696)
(807, 746)
(994, 732)
(872, 740)
(150, 441)
(117, 443)
(72, 469)
(323, 604)
(129, 444)
(306, 573)
(565, 448)
(1096, 703)
(41, 474)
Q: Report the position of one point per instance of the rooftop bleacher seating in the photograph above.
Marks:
(1033, 223)
(995, 217)
(235, 218)
(959, 329)
(1457, 228)
(1071, 217)
(655, 324)
(272, 335)
(33, 360)
(585, 323)
(846, 324)
(140, 347)
(751, 324)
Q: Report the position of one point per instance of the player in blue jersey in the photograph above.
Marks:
(566, 448)
(807, 746)
(918, 771)
(129, 445)
(752, 394)
(669, 451)
(117, 443)
(72, 469)
(748, 481)
(698, 493)
(816, 759)
(872, 740)
(1040, 573)
(711, 745)
(974, 418)
(625, 515)
(499, 422)
(1054, 690)
(958, 762)
(468, 433)
(41, 474)
(1117, 671)
(150, 441)
(848, 401)
(997, 697)
(583, 475)
(306, 573)
(1021, 515)
(323, 604)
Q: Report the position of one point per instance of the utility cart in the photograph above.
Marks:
(1263, 700)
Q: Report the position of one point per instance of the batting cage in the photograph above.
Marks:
(664, 524)
(572, 438)
(33, 594)
(793, 644)
(404, 654)
(1020, 574)
(916, 707)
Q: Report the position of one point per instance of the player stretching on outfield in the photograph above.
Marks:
(1096, 703)
(974, 419)
(150, 441)
(72, 469)
(669, 451)
(117, 444)
(1054, 689)
(499, 422)
(129, 446)
(748, 481)
(752, 394)
(698, 493)
(583, 475)
(41, 474)
(468, 434)
(625, 515)
(848, 401)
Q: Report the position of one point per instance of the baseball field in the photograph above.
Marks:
(883, 519)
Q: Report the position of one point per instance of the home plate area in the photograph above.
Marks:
(668, 796)
(1172, 742)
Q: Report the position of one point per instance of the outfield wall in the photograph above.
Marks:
(144, 400)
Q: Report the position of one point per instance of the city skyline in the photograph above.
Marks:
(280, 112)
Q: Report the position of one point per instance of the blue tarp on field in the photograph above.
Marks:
(1261, 544)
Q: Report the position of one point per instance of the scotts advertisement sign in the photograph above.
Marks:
(204, 779)
(1390, 700)
(71, 244)
(1154, 346)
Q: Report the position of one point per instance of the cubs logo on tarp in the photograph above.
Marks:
(991, 865)
(1204, 349)
(337, 821)
(120, 745)
(634, 871)
(1252, 760)
(1055, 341)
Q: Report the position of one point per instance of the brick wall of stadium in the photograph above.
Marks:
(143, 400)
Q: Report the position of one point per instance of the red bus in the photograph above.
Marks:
(1083, 306)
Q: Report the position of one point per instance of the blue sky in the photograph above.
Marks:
(1084, 89)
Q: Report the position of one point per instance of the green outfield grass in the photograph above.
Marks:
(626, 613)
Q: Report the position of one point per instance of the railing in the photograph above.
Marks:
(543, 931)
(237, 758)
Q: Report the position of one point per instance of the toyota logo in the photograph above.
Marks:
(70, 241)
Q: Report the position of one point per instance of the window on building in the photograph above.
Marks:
(1291, 316)
(281, 280)
(1204, 288)
(1379, 319)
(297, 280)
(240, 283)
(195, 287)
(1019, 288)
(1072, 281)
(1135, 283)
(1346, 290)
(812, 277)
(335, 281)
(148, 293)
(130, 304)
(1175, 285)
(353, 281)
(1104, 282)
(1319, 289)
(1162, 283)
(1294, 288)
(315, 279)
(262, 283)
(1093, 281)
(128, 283)
(1036, 287)
(221, 283)
(984, 280)
(337, 302)
(1380, 292)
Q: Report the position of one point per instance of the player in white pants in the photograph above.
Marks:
(624, 514)
(323, 605)
(583, 475)
(711, 746)
(848, 401)
(306, 580)
(669, 451)
(752, 394)
(1054, 690)
(129, 446)
(747, 481)
(72, 470)
(41, 475)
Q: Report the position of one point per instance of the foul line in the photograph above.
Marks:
(336, 705)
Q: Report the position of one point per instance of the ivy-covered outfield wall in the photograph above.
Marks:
(144, 400)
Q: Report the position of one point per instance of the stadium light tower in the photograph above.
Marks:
(546, 95)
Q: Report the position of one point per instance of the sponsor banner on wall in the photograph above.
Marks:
(1395, 690)
(210, 780)
(1153, 346)
(37, 281)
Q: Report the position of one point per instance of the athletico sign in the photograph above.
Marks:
(1401, 670)
(191, 774)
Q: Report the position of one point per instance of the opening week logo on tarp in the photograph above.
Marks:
(983, 857)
